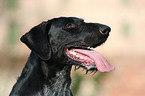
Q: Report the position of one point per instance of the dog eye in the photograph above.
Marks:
(70, 25)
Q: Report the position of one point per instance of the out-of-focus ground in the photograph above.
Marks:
(125, 47)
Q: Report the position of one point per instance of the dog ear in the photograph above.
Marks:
(38, 41)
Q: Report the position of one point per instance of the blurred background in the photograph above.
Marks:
(125, 48)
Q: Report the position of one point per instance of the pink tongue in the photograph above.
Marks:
(101, 63)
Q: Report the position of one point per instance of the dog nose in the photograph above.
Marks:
(104, 29)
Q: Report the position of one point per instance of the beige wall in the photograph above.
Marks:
(114, 13)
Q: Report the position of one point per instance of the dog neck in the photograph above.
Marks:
(58, 80)
(42, 79)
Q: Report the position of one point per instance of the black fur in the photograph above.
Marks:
(47, 71)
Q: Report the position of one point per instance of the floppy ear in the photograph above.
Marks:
(37, 40)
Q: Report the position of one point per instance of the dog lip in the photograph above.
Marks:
(83, 65)
(89, 64)
(80, 47)
(89, 57)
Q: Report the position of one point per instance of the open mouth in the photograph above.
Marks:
(89, 59)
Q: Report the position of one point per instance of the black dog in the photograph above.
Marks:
(55, 46)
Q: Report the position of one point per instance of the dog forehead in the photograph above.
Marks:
(64, 20)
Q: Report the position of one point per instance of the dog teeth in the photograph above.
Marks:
(81, 57)
(73, 52)
(89, 47)
(92, 48)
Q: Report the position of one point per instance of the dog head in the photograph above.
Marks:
(70, 38)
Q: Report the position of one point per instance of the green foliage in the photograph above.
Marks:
(76, 84)
(126, 1)
(64, 0)
(12, 34)
(79, 78)
(126, 29)
(11, 4)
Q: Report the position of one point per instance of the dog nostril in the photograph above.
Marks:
(104, 30)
